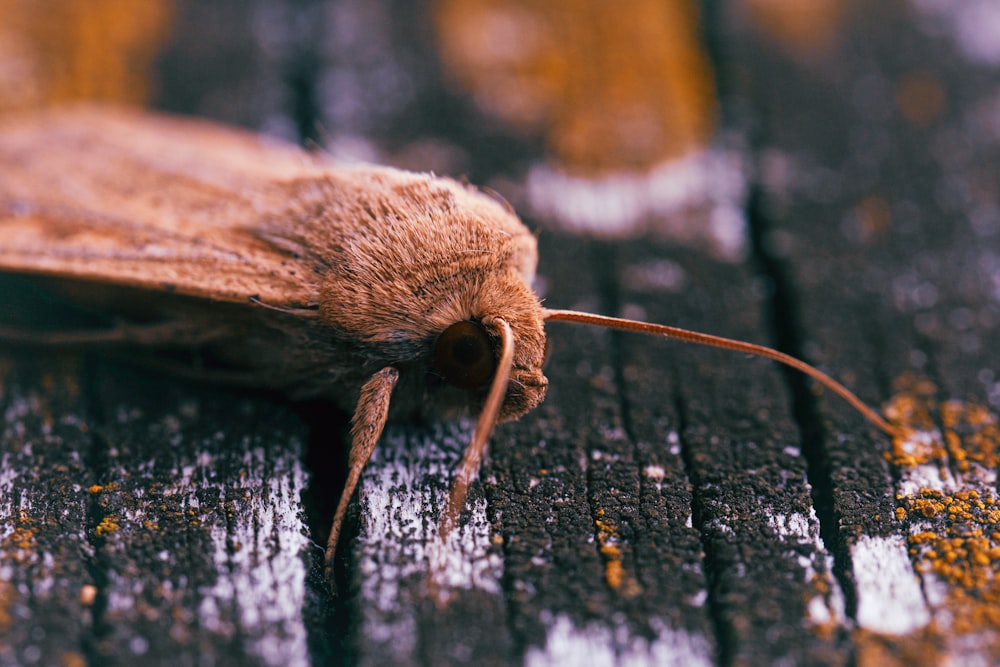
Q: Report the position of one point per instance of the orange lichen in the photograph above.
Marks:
(20, 544)
(955, 529)
(959, 433)
(22, 538)
(821, 586)
(609, 89)
(615, 575)
(874, 215)
(964, 552)
(108, 524)
(961, 549)
(53, 52)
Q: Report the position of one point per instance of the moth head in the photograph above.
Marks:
(493, 357)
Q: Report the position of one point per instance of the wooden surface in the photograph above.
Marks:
(666, 504)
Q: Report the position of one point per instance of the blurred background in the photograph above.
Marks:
(595, 88)
(820, 172)
(571, 110)
(583, 115)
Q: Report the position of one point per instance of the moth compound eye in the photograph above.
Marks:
(463, 355)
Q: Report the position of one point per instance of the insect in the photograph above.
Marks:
(390, 293)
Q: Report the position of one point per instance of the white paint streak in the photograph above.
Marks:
(654, 472)
(803, 529)
(598, 645)
(626, 205)
(889, 595)
(259, 560)
(9, 506)
(928, 475)
(402, 491)
(795, 525)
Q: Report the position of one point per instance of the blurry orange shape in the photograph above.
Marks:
(806, 28)
(609, 86)
(59, 50)
(874, 216)
(920, 98)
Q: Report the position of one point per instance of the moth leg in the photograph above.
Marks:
(366, 428)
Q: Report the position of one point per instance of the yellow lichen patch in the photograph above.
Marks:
(964, 551)
(53, 52)
(108, 524)
(610, 88)
(822, 588)
(615, 574)
(961, 548)
(95, 489)
(20, 543)
(961, 433)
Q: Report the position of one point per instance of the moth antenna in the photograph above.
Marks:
(728, 344)
(474, 452)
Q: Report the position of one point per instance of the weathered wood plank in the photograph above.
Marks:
(880, 203)
(774, 597)
(666, 505)
(165, 521)
(201, 542)
(47, 586)
(584, 506)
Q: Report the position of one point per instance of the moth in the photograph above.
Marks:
(392, 294)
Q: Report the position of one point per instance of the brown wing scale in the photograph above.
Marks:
(156, 204)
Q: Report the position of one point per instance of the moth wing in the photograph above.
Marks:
(152, 203)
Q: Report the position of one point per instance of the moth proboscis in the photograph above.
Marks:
(391, 293)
